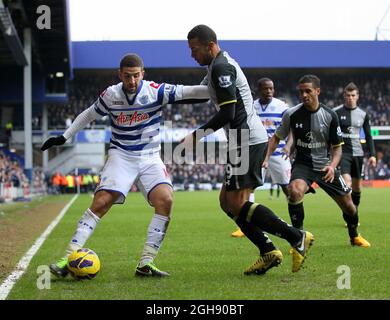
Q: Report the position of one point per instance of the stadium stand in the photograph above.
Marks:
(374, 94)
(14, 184)
(374, 97)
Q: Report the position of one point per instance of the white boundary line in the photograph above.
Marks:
(23, 263)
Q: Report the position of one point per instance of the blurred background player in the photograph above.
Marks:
(317, 139)
(134, 107)
(271, 191)
(353, 119)
(271, 110)
(230, 92)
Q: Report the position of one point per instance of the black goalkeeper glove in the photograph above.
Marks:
(53, 141)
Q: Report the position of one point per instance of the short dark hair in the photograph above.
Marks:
(351, 87)
(261, 81)
(131, 60)
(204, 33)
(311, 78)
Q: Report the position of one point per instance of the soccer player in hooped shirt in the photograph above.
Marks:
(270, 110)
(134, 106)
(352, 119)
(230, 92)
(317, 134)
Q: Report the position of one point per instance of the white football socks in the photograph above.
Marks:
(156, 233)
(252, 197)
(85, 228)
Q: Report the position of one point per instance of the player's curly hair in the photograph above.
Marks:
(261, 81)
(311, 78)
(204, 33)
(131, 60)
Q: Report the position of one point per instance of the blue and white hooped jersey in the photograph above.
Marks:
(271, 115)
(135, 119)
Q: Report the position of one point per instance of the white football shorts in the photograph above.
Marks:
(121, 171)
(279, 169)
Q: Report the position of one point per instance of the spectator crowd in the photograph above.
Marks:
(86, 86)
(72, 183)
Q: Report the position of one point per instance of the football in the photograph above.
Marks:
(83, 264)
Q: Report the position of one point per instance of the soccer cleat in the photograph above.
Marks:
(60, 269)
(238, 234)
(359, 241)
(150, 270)
(299, 253)
(265, 262)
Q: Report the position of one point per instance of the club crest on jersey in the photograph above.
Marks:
(224, 81)
(136, 117)
(144, 100)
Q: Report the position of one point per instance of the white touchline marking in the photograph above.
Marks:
(23, 263)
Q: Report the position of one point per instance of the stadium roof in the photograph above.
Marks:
(50, 47)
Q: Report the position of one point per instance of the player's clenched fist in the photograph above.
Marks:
(53, 141)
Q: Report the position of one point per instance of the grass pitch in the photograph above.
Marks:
(206, 263)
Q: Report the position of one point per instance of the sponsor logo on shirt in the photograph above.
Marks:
(351, 133)
(268, 123)
(312, 144)
(131, 119)
(224, 81)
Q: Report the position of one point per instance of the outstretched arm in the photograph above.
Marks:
(194, 94)
(81, 121)
(222, 117)
(78, 124)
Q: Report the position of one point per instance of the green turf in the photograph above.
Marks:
(206, 263)
(15, 210)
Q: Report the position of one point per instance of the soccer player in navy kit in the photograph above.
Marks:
(230, 92)
(318, 139)
(270, 111)
(352, 119)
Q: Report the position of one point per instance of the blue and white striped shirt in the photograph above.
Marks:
(271, 116)
(135, 119)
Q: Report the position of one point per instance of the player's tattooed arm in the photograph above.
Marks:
(336, 152)
(288, 149)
